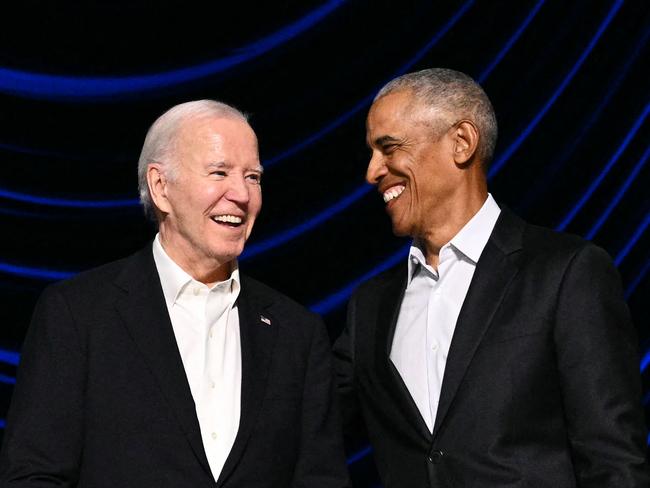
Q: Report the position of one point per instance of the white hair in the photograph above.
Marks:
(160, 142)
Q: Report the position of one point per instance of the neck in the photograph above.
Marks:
(204, 270)
(447, 222)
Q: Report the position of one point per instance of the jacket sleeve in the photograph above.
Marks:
(321, 463)
(598, 364)
(42, 445)
(343, 352)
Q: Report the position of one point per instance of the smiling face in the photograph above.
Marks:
(211, 197)
(413, 164)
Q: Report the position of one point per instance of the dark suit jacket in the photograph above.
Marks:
(102, 399)
(541, 386)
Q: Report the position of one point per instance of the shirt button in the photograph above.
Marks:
(210, 334)
(214, 436)
(434, 346)
(212, 384)
(196, 291)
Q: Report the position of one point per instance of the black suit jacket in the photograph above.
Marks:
(102, 399)
(541, 386)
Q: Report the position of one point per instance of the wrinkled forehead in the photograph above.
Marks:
(209, 127)
(230, 137)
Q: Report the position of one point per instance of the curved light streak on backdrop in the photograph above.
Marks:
(67, 202)
(323, 216)
(601, 176)
(325, 305)
(596, 53)
(500, 161)
(619, 195)
(637, 280)
(510, 42)
(309, 140)
(344, 203)
(85, 89)
(585, 128)
(268, 162)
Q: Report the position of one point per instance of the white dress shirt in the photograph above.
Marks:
(430, 309)
(206, 326)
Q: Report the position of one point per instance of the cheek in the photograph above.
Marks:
(415, 185)
(255, 200)
(210, 193)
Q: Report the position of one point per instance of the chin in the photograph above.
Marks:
(400, 230)
(226, 255)
(231, 254)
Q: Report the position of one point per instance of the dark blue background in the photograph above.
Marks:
(79, 86)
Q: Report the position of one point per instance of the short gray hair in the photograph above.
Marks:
(455, 93)
(160, 142)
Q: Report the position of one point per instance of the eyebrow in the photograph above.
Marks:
(222, 164)
(219, 164)
(383, 140)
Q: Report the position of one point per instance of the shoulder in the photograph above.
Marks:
(545, 239)
(536, 244)
(78, 303)
(97, 282)
(546, 257)
(559, 248)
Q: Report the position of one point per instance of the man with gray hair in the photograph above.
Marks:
(170, 368)
(500, 354)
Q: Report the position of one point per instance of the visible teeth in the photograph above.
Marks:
(231, 219)
(393, 192)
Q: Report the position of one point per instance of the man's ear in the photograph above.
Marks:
(465, 140)
(158, 187)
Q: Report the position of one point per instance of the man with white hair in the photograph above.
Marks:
(170, 368)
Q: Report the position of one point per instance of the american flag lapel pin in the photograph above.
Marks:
(266, 320)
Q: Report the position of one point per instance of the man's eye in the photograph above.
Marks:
(218, 173)
(388, 148)
(254, 178)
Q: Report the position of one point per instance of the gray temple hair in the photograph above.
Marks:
(454, 94)
(160, 142)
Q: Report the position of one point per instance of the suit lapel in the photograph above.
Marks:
(145, 315)
(258, 330)
(496, 268)
(389, 306)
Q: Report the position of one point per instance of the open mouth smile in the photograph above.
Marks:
(393, 192)
(228, 220)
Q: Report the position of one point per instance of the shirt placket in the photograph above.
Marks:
(217, 360)
(200, 298)
(437, 329)
(432, 345)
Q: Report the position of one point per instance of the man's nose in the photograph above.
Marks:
(238, 189)
(376, 168)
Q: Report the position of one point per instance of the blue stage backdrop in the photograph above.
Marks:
(79, 86)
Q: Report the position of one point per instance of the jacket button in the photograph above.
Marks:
(436, 456)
